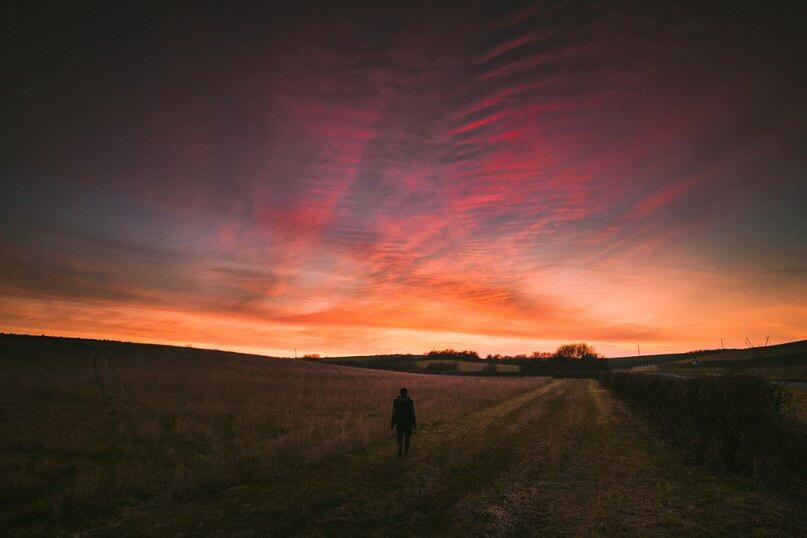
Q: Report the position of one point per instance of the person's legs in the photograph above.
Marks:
(399, 437)
(407, 434)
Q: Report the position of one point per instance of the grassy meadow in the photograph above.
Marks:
(112, 439)
(90, 428)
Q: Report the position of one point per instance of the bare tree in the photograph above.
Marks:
(579, 350)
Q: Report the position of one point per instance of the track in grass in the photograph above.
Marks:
(566, 458)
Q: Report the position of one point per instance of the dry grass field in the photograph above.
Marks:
(91, 429)
(111, 439)
(563, 459)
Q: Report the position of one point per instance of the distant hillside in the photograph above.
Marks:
(789, 348)
(536, 366)
(780, 350)
(780, 353)
(642, 360)
(87, 343)
(783, 362)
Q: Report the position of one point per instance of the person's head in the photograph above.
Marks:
(403, 392)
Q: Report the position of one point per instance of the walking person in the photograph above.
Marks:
(403, 420)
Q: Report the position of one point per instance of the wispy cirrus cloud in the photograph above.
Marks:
(377, 177)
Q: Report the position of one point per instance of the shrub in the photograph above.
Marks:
(742, 423)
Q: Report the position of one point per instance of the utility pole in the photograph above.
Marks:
(295, 353)
(721, 344)
(638, 350)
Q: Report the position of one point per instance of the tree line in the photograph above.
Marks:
(573, 351)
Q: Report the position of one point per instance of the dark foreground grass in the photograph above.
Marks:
(192, 443)
(563, 459)
(90, 430)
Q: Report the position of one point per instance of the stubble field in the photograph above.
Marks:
(111, 439)
(92, 429)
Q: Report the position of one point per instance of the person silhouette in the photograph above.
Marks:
(403, 420)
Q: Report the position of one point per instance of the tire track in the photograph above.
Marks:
(602, 472)
(563, 459)
(446, 465)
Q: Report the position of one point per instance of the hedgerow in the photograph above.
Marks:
(741, 423)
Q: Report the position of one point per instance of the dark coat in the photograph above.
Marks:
(403, 411)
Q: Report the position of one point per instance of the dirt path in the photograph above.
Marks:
(563, 459)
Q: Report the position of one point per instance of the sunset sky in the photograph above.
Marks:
(349, 179)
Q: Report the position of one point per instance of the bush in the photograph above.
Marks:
(742, 423)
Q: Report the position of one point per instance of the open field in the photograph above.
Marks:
(118, 439)
(566, 458)
(90, 429)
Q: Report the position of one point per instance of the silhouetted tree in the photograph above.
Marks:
(579, 350)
